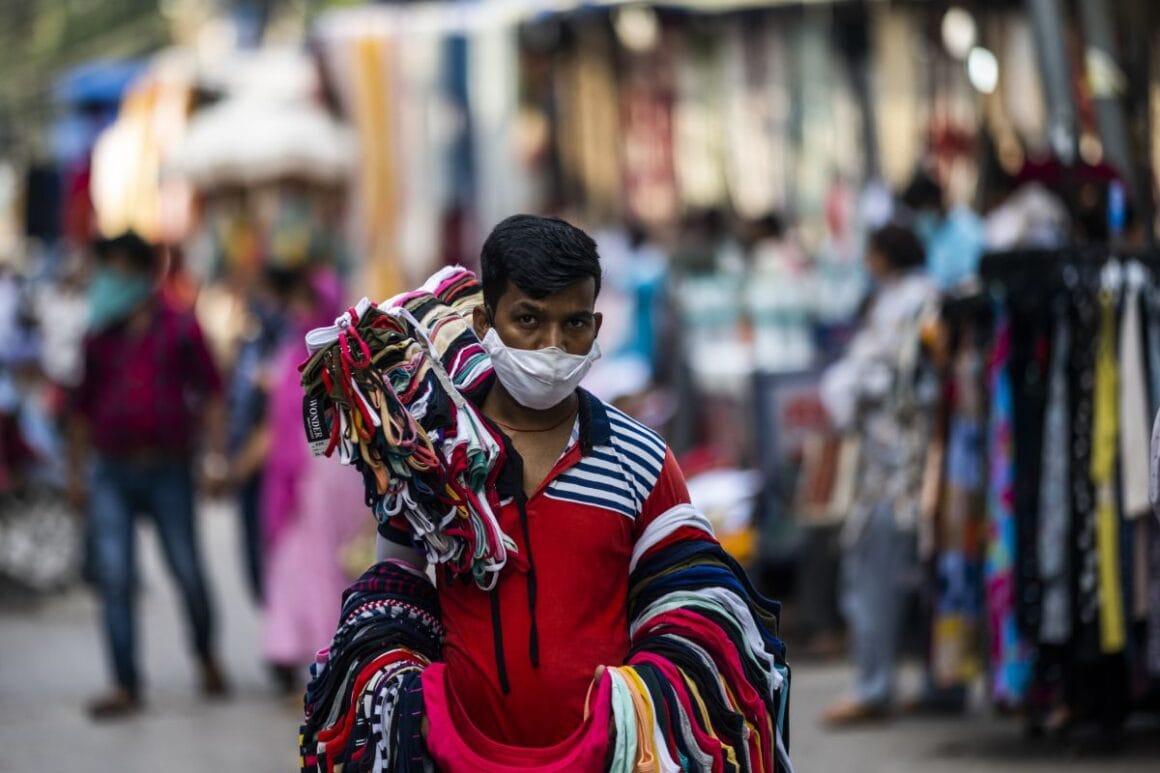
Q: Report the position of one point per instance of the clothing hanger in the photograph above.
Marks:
(1136, 276)
(1112, 277)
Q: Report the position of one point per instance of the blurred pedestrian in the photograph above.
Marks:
(247, 400)
(311, 508)
(877, 390)
(149, 396)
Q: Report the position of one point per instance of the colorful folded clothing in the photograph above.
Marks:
(363, 710)
(385, 387)
(704, 688)
(705, 658)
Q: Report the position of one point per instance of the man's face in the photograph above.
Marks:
(566, 320)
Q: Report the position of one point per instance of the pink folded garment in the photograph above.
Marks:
(455, 744)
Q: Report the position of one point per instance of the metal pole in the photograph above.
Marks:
(1047, 23)
(1138, 22)
(1108, 84)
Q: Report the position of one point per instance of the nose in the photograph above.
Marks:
(554, 336)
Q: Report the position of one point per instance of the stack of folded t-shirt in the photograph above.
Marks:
(361, 702)
(706, 665)
(389, 380)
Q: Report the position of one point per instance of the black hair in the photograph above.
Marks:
(284, 282)
(539, 255)
(923, 192)
(129, 247)
(899, 246)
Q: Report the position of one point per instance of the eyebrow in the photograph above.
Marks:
(525, 305)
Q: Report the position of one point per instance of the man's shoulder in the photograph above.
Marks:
(640, 449)
(631, 434)
(622, 463)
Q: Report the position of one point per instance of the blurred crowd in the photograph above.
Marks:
(113, 397)
(792, 199)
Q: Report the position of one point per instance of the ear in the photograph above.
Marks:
(597, 321)
(480, 321)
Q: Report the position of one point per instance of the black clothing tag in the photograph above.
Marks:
(314, 420)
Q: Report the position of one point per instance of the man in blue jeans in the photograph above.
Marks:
(150, 392)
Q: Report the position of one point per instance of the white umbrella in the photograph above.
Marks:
(246, 140)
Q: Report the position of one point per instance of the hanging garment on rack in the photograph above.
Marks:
(650, 187)
(1055, 495)
(1103, 473)
(1026, 369)
(1134, 411)
(1095, 358)
(1151, 298)
(1084, 325)
(1010, 655)
(955, 656)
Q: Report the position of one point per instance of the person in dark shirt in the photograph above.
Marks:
(149, 396)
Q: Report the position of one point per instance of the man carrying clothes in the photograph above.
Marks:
(583, 615)
(585, 481)
(149, 387)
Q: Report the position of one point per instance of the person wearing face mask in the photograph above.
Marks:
(954, 239)
(148, 398)
(581, 483)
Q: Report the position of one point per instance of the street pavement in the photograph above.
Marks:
(51, 661)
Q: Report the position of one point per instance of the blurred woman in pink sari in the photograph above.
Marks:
(312, 508)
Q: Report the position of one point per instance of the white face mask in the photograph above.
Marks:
(538, 378)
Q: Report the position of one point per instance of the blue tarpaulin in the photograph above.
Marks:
(100, 82)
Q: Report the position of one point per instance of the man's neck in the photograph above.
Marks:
(501, 407)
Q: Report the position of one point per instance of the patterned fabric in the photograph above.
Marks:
(882, 388)
(1084, 325)
(955, 658)
(706, 670)
(1026, 370)
(1055, 497)
(1010, 654)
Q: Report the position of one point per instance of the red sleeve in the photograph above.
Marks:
(670, 490)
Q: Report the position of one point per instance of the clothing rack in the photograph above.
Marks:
(998, 267)
(1101, 665)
